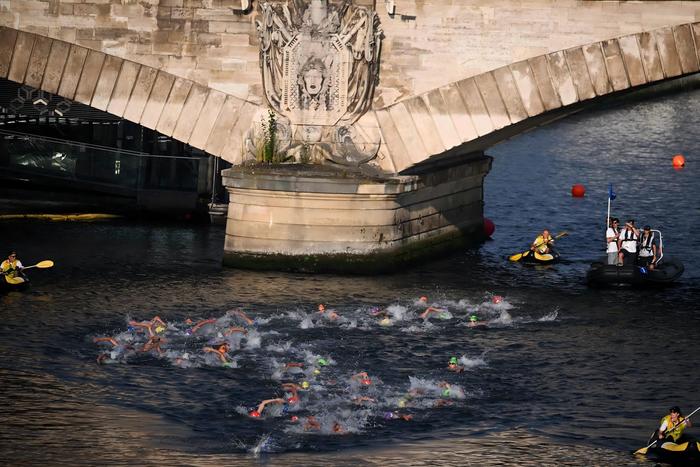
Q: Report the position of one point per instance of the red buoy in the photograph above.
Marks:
(578, 191)
(678, 161)
(489, 227)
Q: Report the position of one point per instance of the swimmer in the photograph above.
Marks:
(266, 402)
(154, 326)
(294, 365)
(496, 299)
(238, 312)
(330, 314)
(153, 343)
(338, 428)
(474, 322)
(111, 340)
(118, 349)
(360, 400)
(362, 378)
(311, 423)
(292, 389)
(396, 416)
(441, 312)
(221, 351)
(453, 365)
(235, 329)
(200, 324)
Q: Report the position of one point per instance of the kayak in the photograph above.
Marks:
(664, 273)
(8, 283)
(687, 452)
(539, 258)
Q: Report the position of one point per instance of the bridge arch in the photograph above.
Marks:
(204, 118)
(471, 113)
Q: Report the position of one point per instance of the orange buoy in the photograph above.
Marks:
(578, 191)
(489, 227)
(678, 161)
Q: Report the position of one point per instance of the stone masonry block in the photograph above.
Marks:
(7, 38)
(686, 48)
(54, 66)
(20, 57)
(233, 150)
(173, 106)
(106, 81)
(615, 65)
(593, 54)
(458, 112)
(72, 70)
(223, 124)
(650, 57)
(157, 99)
(509, 94)
(527, 88)
(392, 141)
(190, 113)
(561, 78)
(475, 104)
(123, 87)
(579, 73)
(666, 44)
(90, 75)
(631, 55)
(493, 100)
(540, 71)
(140, 93)
(408, 132)
(207, 117)
(437, 107)
(425, 125)
(37, 62)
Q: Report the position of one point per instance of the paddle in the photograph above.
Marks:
(645, 449)
(47, 263)
(519, 256)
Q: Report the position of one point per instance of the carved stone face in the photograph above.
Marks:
(313, 79)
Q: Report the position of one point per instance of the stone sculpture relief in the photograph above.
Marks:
(320, 63)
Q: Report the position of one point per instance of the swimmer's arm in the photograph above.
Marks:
(294, 365)
(156, 319)
(429, 310)
(111, 340)
(360, 375)
(264, 403)
(243, 316)
(233, 329)
(204, 322)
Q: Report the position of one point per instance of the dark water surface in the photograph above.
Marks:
(564, 375)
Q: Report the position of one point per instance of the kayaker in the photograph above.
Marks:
(542, 243)
(12, 266)
(611, 237)
(672, 425)
(627, 243)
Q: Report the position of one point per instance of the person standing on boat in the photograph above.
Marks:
(611, 236)
(12, 267)
(542, 243)
(672, 425)
(627, 243)
(647, 249)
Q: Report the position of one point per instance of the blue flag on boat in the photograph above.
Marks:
(611, 193)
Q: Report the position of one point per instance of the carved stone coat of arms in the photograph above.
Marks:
(320, 64)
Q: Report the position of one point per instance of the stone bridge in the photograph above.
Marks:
(455, 76)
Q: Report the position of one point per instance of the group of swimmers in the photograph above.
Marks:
(306, 379)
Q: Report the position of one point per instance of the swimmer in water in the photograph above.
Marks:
(442, 313)
(153, 343)
(383, 316)
(392, 415)
(311, 423)
(360, 400)
(117, 349)
(267, 402)
(292, 389)
(330, 314)
(238, 312)
(234, 330)
(474, 322)
(220, 350)
(362, 378)
(200, 324)
(153, 327)
(453, 365)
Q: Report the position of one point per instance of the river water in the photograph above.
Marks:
(563, 374)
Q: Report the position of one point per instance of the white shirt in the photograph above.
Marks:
(612, 246)
(643, 251)
(631, 243)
